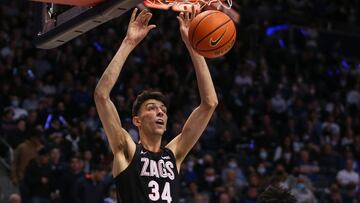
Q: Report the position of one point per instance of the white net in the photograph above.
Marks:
(227, 4)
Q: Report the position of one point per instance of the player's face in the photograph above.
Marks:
(153, 117)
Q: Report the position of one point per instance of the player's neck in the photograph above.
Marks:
(150, 143)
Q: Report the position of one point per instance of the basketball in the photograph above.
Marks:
(212, 33)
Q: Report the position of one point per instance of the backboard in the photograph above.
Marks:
(77, 20)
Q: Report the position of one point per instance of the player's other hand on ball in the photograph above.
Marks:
(185, 18)
(139, 26)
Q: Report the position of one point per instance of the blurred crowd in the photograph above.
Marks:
(318, 10)
(288, 112)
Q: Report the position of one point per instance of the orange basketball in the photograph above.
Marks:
(212, 33)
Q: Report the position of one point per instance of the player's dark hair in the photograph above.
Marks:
(275, 194)
(146, 95)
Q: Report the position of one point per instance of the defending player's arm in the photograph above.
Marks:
(199, 118)
(119, 139)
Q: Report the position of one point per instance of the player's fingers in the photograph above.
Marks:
(187, 14)
(193, 12)
(181, 15)
(197, 9)
(150, 27)
(144, 18)
(133, 15)
(180, 20)
(147, 18)
(141, 15)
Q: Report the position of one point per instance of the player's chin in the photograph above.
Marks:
(159, 131)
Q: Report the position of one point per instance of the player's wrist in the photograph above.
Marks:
(192, 51)
(188, 46)
(129, 43)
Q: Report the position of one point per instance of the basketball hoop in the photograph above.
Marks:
(183, 5)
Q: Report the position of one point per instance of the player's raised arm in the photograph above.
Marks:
(199, 118)
(118, 137)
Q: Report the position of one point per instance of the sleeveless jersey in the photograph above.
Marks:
(150, 177)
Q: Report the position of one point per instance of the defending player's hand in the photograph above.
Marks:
(184, 19)
(139, 26)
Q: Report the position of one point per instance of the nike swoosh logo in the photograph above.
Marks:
(213, 43)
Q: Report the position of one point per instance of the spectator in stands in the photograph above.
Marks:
(224, 198)
(353, 99)
(18, 135)
(73, 139)
(189, 175)
(302, 193)
(348, 154)
(279, 177)
(88, 163)
(211, 182)
(91, 188)
(330, 131)
(254, 180)
(39, 178)
(333, 194)
(111, 195)
(24, 153)
(57, 171)
(199, 198)
(227, 143)
(14, 198)
(32, 120)
(232, 175)
(263, 166)
(285, 153)
(306, 166)
(191, 192)
(231, 181)
(234, 195)
(70, 177)
(19, 112)
(348, 179)
(8, 122)
(251, 195)
(329, 161)
(92, 121)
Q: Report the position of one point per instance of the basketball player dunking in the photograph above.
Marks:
(146, 171)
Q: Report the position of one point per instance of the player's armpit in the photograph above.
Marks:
(191, 132)
(119, 139)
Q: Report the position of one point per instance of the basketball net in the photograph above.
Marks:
(185, 5)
